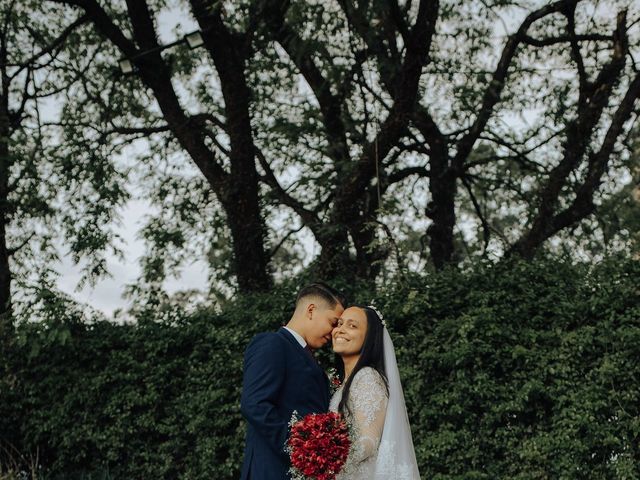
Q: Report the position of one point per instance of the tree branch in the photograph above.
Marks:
(579, 132)
(330, 105)
(308, 217)
(15, 116)
(407, 172)
(405, 97)
(398, 20)
(550, 41)
(104, 24)
(275, 249)
(597, 163)
(137, 130)
(496, 85)
(204, 117)
(4, 32)
(425, 123)
(12, 251)
(575, 52)
(57, 42)
(155, 74)
(486, 229)
(580, 129)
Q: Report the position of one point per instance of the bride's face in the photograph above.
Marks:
(348, 336)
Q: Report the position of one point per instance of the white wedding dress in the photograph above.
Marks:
(382, 448)
(367, 406)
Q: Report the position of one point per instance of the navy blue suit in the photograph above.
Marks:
(280, 376)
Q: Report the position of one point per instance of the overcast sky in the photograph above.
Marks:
(106, 296)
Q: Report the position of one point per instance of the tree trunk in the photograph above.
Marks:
(6, 321)
(441, 210)
(369, 255)
(240, 192)
(247, 231)
(443, 188)
(237, 189)
(334, 260)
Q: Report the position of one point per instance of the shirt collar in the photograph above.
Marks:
(298, 337)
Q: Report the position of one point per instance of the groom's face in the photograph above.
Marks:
(323, 319)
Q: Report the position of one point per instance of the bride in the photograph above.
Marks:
(371, 398)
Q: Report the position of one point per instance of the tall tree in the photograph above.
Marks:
(477, 103)
(132, 31)
(376, 126)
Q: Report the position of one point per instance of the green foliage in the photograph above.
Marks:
(60, 188)
(104, 141)
(520, 370)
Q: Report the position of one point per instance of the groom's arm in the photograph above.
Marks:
(264, 376)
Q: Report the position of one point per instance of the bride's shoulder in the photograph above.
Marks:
(368, 376)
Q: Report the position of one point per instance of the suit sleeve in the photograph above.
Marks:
(263, 378)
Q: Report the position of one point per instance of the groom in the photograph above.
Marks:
(281, 375)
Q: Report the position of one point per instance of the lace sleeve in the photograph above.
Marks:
(368, 404)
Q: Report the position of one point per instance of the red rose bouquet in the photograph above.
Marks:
(318, 446)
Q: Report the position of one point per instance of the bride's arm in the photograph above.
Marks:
(368, 405)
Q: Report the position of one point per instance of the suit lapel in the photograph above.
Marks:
(311, 361)
(307, 355)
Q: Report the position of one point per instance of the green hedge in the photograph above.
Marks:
(519, 371)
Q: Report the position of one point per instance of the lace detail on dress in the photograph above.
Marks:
(368, 396)
(388, 466)
(367, 407)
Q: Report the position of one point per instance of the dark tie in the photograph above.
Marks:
(310, 353)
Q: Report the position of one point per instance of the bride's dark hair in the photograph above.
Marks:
(371, 355)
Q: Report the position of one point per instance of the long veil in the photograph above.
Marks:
(396, 456)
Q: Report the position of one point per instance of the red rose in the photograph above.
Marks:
(319, 445)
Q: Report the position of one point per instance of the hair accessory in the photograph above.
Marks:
(372, 307)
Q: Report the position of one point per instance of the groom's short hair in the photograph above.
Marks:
(323, 291)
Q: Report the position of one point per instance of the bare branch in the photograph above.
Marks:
(407, 172)
(57, 42)
(12, 251)
(275, 249)
(547, 42)
(308, 217)
(496, 85)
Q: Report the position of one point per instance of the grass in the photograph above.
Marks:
(15, 465)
